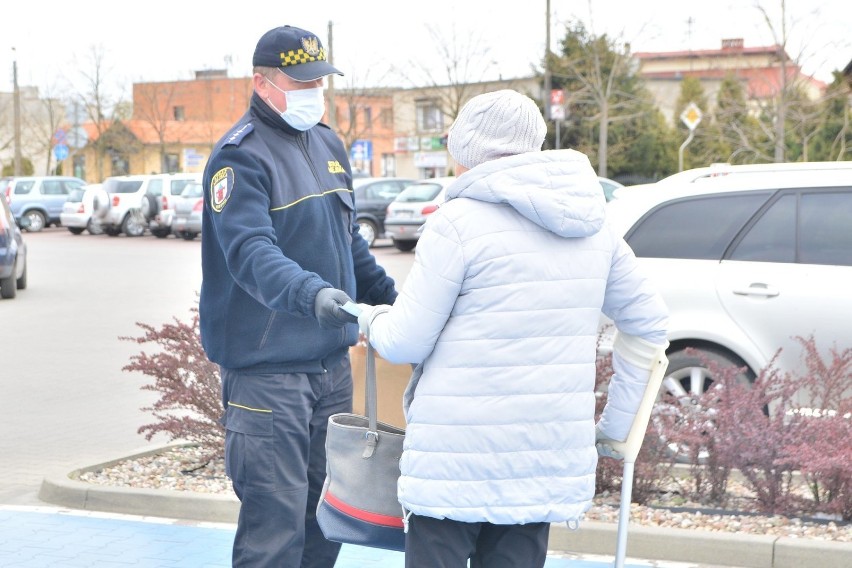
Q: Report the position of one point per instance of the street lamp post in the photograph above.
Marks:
(17, 111)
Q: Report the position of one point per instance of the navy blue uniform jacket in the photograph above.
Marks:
(279, 225)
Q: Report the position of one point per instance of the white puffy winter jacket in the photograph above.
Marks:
(501, 311)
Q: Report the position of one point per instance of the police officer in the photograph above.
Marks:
(280, 254)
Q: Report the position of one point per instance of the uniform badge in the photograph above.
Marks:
(221, 187)
(311, 45)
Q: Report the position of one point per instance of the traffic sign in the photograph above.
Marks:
(59, 136)
(361, 150)
(557, 104)
(60, 151)
(691, 116)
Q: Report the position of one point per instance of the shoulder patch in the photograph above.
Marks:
(237, 135)
(221, 186)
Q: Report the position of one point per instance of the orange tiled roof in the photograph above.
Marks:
(176, 131)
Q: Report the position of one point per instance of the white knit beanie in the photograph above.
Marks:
(493, 125)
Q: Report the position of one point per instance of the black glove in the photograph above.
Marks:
(327, 308)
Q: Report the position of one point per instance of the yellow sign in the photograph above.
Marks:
(691, 116)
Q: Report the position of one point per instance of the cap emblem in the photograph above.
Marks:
(311, 46)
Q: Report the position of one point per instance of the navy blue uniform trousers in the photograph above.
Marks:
(275, 429)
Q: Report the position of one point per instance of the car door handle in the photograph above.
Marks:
(757, 289)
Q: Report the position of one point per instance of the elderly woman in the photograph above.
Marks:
(500, 314)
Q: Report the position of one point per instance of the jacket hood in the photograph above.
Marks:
(555, 189)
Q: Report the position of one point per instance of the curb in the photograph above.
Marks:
(657, 543)
(69, 492)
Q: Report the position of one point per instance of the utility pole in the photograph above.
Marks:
(332, 110)
(17, 110)
(547, 80)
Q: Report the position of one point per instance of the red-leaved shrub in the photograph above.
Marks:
(190, 402)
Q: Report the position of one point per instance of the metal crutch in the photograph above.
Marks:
(630, 447)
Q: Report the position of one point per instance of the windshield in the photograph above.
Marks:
(192, 189)
(122, 186)
(419, 192)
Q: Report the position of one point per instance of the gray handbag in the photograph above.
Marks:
(358, 504)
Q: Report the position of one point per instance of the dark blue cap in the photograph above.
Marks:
(298, 53)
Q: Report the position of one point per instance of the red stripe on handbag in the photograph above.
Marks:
(375, 518)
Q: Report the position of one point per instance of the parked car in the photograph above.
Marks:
(609, 186)
(372, 197)
(160, 212)
(747, 258)
(13, 253)
(408, 211)
(134, 200)
(39, 198)
(186, 222)
(77, 212)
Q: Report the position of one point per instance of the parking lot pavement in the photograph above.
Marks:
(48, 537)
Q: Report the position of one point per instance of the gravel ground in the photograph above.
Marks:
(180, 469)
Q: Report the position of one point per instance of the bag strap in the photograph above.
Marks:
(371, 396)
(370, 402)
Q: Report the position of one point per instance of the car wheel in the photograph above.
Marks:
(150, 207)
(112, 231)
(161, 233)
(8, 288)
(37, 221)
(368, 231)
(404, 246)
(688, 377)
(22, 281)
(100, 204)
(94, 226)
(75, 230)
(134, 224)
(188, 236)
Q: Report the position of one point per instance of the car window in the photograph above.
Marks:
(122, 186)
(72, 184)
(825, 233)
(23, 187)
(155, 187)
(192, 189)
(178, 185)
(383, 190)
(772, 238)
(53, 187)
(696, 228)
(419, 192)
(76, 195)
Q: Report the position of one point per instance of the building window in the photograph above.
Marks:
(120, 165)
(353, 117)
(429, 116)
(368, 117)
(172, 163)
(386, 118)
(180, 113)
(388, 165)
(79, 162)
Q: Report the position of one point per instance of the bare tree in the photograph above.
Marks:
(153, 104)
(102, 105)
(597, 72)
(464, 62)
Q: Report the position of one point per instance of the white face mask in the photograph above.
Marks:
(305, 107)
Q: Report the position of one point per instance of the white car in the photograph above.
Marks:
(78, 211)
(747, 258)
(134, 201)
(409, 209)
(188, 207)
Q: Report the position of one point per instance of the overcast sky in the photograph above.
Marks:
(164, 40)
